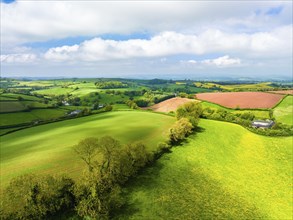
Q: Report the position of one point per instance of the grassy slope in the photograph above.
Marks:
(284, 111)
(224, 172)
(48, 148)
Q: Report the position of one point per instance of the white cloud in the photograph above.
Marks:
(18, 58)
(276, 43)
(224, 61)
(30, 21)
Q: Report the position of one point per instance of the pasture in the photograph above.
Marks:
(284, 111)
(222, 172)
(245, 100)
(48, 148)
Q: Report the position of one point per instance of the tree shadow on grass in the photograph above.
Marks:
(188, 192)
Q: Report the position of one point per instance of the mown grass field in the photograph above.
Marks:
(48, 148)
(222, 172)
(284, 111)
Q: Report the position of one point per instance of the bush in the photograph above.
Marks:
(108, 108)
(180, 130)
(190, 110)
(141, 103)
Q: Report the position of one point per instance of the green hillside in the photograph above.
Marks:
(223, 172)
(284, 111)
(48, 148)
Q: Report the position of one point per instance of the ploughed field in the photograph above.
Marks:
(242, 99)
(222, 172)
(48, 148)
(170, 104)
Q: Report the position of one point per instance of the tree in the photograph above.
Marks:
(180, 130)
(191, 111)
(87, 150)
(36, 197)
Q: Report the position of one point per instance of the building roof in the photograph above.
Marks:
(262, 123)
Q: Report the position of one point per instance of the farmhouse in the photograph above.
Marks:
(75, 112)
(262, 124)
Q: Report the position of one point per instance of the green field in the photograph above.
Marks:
(223, 172)
(284, 111)
(48, 148)
(54, 91)
(11, 106)
(260, 114)
(13, 96)
(33, 115)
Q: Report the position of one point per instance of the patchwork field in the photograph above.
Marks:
(284, 111)
(242, 99)
(223, 172)
(170, 104)
(48, 148)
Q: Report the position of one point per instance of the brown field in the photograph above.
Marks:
(286, 92)
(242, 99)
(170, 104)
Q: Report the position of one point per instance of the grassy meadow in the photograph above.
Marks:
(284, 111)
(48, 148)
(222, 172)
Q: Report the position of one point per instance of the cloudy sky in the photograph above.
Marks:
(146, 39)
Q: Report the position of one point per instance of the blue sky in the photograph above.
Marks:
(167, 39)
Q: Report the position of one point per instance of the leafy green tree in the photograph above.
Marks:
(37, 197)
(180, 130)
(87, 150)
(190, 110)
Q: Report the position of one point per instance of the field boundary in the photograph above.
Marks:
(280, 101)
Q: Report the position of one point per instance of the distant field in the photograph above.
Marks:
(48, 148)
(54, 91)
(284, 111)
(242, 99)
(26, 117)
(289, 92)
(230, 87)
(10, 106)
(223, 172)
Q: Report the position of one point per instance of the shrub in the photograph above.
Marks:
(180, 130)
(108, 108)
(190, 110)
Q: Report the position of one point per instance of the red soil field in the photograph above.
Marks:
(170, 104)
(242, 99)
(287, 92)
